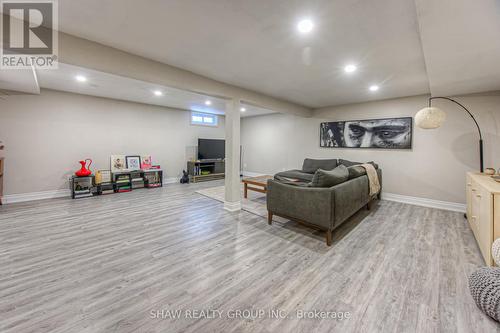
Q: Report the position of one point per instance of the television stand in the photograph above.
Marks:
(205, 170)
(210, 160)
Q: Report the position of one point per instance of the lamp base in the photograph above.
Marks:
(481, 161)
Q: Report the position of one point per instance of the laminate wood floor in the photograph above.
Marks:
(107, 264)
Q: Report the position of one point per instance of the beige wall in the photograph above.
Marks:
(435, 168)
(46, 135)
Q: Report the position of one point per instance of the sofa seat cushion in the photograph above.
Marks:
(294, 174)
(311, 165)
(329, 178)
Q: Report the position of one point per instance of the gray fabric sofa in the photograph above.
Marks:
(321, 208)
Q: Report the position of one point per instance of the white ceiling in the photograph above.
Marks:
(407, 47)
(461, 43)
(112, 86)
(254, 44)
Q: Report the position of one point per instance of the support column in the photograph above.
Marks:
(232, 200)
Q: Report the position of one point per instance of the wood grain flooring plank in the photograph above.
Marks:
(103, 264)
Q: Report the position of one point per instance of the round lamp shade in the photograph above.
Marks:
(430, 117)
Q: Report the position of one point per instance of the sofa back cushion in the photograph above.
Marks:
(348, 163)
(311, 165)
(329, 178)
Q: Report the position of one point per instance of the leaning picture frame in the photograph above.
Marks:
(133, 162)
(146, 162)
(118, 163)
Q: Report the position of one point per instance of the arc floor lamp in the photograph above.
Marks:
(431, 117)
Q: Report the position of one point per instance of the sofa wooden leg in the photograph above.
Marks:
(369, 205)
(269, 218)
(329, 237)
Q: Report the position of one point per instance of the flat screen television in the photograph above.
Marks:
(211, 149)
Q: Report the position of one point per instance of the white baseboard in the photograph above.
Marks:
(171, 180)
(232, 206)
(453, 206)
(32, 196)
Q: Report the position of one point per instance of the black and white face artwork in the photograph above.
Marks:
(394, 133)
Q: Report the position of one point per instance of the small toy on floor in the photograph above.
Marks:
(185, 177)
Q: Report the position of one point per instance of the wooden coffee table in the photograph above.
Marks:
(258, 184)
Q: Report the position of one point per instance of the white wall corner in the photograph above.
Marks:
(35, 79)
(431, 203)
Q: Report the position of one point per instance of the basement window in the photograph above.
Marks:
(204, 119)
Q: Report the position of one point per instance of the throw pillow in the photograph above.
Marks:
(356, 171)
(325, 178)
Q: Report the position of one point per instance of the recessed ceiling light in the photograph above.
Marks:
(207, 102)
(81, 78)
(243, 109)
(305, 26)
(157, 93)
(350, 68)
(374, 88)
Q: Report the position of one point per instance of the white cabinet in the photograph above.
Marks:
(483, 211)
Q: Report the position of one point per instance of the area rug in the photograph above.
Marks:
(255, 203)
(314, 240)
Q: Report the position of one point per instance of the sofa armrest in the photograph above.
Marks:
(308, 204)
(351, 196)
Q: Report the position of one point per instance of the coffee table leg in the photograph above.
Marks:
(245, 192)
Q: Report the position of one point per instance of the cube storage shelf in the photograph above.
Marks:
(123, 181)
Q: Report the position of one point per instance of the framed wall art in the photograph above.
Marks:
(389, 133)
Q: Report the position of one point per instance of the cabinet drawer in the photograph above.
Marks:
(496, 216)
(485, 225)
(475, 204)
(468, 195)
